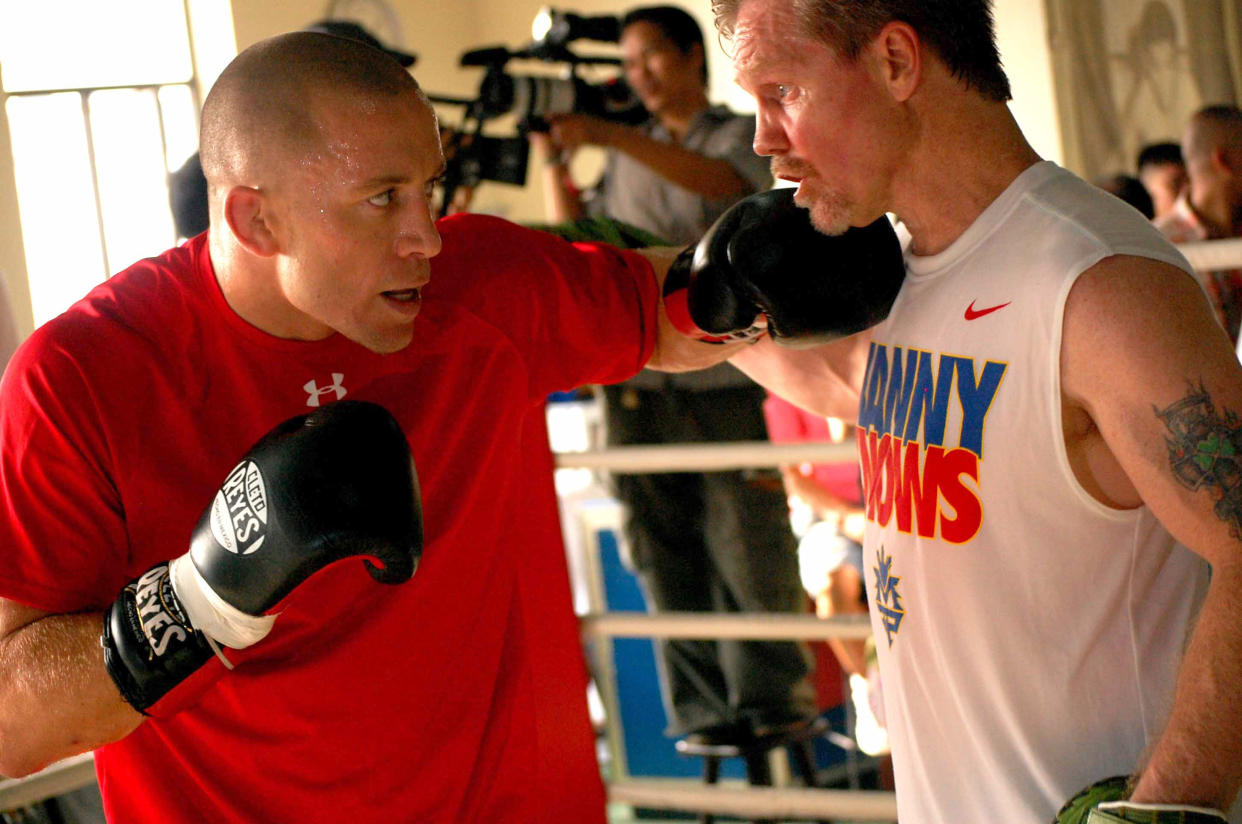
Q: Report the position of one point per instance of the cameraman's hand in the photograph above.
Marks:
(546, 149)
(569, 131)
(561, 196)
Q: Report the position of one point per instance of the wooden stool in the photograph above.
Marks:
(800, 741)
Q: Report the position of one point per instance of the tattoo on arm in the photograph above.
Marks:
(1205, 452)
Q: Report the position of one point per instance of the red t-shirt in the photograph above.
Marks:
(456, 697)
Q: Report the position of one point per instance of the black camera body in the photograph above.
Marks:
(534, 99)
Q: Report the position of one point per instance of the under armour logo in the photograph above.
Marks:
(316, 392)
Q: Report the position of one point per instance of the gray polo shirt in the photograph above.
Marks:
(631, 192)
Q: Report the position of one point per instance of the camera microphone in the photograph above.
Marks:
(558, 28)
(491, 56)
(605, 29)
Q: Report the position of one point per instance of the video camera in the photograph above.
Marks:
(532, 99)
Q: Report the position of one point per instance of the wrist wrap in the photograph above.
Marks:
(1122, 812)
(148, 641)
(1104, 802)
(680, 313)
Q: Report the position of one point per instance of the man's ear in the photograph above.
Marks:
(246, 212)
(899, 53)
(1225, 159)
(696, 50)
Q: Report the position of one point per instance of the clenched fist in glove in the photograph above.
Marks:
(317, 489)
(762, 263)
(1104, 802)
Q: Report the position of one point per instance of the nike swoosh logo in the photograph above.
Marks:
(975, 314)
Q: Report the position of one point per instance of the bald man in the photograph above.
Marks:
(456, 697)
(1210, 207)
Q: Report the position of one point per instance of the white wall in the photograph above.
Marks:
(12, 253)
(1022, 35)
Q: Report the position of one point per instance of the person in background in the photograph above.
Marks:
(1162, 171)
(699, 542)
(826, 510)
(1210, 207)
(1130, 190)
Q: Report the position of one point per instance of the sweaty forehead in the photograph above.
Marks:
(362, 137)
(346, 110)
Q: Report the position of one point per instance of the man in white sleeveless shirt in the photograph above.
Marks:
(1048, 413)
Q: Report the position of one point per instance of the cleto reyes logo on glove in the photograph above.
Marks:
(159, 611)
(239, 512)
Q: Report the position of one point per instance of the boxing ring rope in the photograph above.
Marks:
(735, 626)
(1212, 255)
(706, 457)
(782, 803)
(59, 778)
(766, 802)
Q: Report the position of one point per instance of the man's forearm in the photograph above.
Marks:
(674, 351)
(708, 177)
(1198, 759)
(56, 697)
(825, 379)
(561, 203)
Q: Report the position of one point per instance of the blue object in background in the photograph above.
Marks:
(648, 752)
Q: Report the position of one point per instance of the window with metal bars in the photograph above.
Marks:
(101, 107)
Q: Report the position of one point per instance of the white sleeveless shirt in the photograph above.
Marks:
(1029, 636)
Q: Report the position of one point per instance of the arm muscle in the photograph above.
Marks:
(1161, 385)
(56, 699)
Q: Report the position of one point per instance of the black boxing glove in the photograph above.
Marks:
(317, 489)
(763, 264)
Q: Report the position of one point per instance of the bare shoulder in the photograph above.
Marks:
(1139, 285)
(1138, 322)
(1157, 386)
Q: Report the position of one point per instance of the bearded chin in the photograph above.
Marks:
(830, 213)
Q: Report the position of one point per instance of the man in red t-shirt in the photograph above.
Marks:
(456, 697)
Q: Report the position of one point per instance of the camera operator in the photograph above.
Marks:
(674, 174)
(719, 541)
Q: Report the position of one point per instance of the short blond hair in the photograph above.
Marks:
(960, 32)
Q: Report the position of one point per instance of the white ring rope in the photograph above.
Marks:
(750, 626)
(707, 457)
(57, 779)
(756, 802)
(1213, 255)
